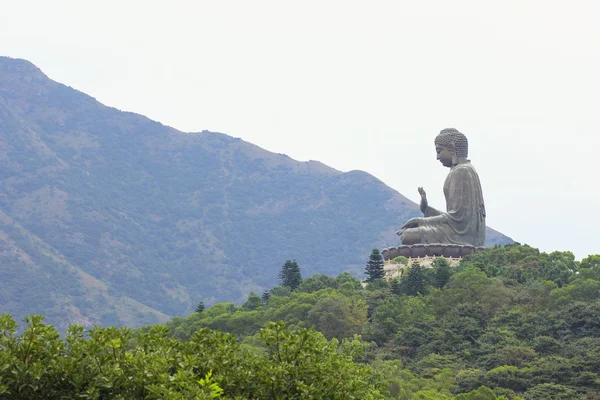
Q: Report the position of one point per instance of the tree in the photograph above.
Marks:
(590, 262)
(585, 290)
(317, 282)
(507, 376)
(374, 268)
(441, 271)
(254, 302)
(290, 275)
(551, 391)
(396, 287)
(483, 393)
(400, 260)
(339, 316)
(265, 297)
(558, 267)
(415, 283)
(200, 307)
(304, 365)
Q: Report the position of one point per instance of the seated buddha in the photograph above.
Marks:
(463, 222)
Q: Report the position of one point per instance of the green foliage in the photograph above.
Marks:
(552, 391)
(506, 376)
(299, 358)
(265, 297)
(442, 272)
(585, 290)
(469, 379)
(338, 316)
(546, 344)
(200, 307)
(414, 282)
(116, 364)
(336, 313)
(111, 363)
(280, 291)
(511, 319)
(290, 275)
(374, 268)
(591, 262)
(400, 260)
(317, 282)
(483, 393)
(254, 302)
(396, 287)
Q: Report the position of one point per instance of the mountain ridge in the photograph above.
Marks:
(163, 217)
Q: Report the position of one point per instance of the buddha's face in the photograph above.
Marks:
(444, 155)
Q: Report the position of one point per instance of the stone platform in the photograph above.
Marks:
(392, 271)
(429, 250)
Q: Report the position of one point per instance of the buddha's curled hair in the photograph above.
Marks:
(452, 138)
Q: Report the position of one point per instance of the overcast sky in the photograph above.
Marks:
(359, 85)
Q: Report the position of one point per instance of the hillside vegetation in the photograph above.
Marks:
(515, 320)
(507, 323)
(107, 217)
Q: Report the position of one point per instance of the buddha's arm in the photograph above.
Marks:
(424, 206)
(431, 212)
(441, 218)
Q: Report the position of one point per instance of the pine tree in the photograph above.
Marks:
(414, 280)
(290, 275)
(442, 272)
(265, 297)
(200, 307)
(374, 268)
(396, 287)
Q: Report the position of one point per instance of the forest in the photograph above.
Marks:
(507, 323)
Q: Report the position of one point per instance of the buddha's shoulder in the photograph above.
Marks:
(464, 165)
(464, 168)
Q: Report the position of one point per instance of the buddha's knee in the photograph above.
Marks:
(411, 236)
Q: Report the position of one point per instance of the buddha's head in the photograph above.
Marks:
(451, 146)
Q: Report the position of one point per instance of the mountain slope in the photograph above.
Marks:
(161, 218)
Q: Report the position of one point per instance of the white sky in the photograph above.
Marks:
(358, 85)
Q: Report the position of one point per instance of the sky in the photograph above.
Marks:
(359, 85)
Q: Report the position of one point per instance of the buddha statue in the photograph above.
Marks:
(463, 223)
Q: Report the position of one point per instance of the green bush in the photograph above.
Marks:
(111, 363)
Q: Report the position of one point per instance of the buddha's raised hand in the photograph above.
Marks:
(424, 203)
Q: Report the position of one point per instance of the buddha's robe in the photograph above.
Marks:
(464, 219)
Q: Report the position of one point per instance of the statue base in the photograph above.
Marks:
(397, 270)
(429, 250)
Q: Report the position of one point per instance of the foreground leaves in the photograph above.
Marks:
(115, 363)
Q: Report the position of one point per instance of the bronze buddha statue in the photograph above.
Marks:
(463, 223)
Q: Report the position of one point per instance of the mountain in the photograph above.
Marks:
(109, 217)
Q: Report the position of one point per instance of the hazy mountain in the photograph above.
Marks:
(109, 217)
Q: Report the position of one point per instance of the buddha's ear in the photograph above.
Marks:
(452, 148)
